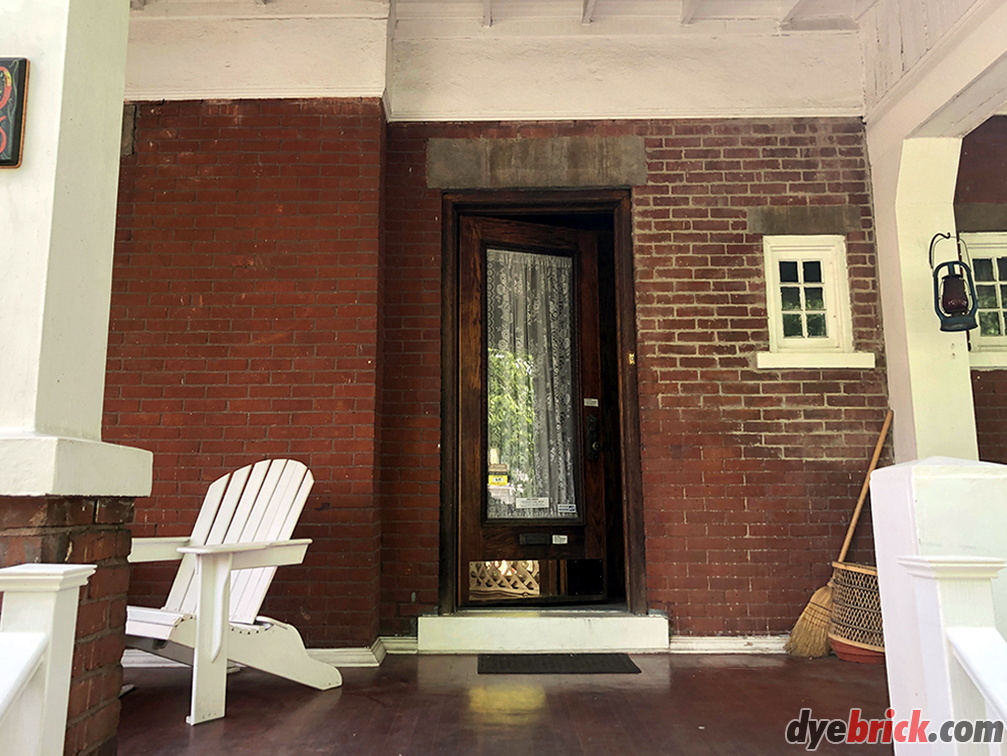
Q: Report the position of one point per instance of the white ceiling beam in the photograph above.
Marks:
(487, 13)
(861, 8)
(588, 15)
(789, 9)
(690, 8)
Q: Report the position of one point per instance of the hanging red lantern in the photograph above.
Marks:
(955, 300)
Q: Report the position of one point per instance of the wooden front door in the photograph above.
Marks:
(533, 520)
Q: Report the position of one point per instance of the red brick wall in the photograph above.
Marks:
(245, 325)
(981, 180)
(983, 164)
(749, 475)
(989, 395)
(410, 409)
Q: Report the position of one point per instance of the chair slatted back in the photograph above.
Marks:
(260, 502)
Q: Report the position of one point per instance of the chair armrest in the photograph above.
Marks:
(163, 549)
(257, 554)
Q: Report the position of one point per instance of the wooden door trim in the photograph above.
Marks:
(488, 202)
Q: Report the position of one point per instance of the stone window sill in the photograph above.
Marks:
(776, 360)
(988, 360)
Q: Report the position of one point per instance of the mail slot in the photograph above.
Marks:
(533, 539)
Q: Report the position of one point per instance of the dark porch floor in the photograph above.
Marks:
(440, 705)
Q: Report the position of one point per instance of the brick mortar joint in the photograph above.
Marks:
(89, 713)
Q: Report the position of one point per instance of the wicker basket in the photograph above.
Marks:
(856, 607)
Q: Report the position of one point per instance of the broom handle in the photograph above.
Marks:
(865, 487)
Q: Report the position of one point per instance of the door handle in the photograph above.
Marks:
(593, 440)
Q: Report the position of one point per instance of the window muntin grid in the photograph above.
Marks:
(987, 256)
(991, 294)
(803, 309)
(807, 289)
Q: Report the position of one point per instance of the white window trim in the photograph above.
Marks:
(834, 351)
(988, 351)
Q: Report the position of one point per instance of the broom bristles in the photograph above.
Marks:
(810, 636)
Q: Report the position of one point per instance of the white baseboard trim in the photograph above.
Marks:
(134, 658)
(351, 657)
(399, 644)
(364, 656)
(385, 645)
(741, 644)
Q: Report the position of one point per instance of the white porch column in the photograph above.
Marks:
(57, 215)
(932, 97)
(928, 370)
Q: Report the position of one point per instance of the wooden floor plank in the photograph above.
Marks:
(417, 705)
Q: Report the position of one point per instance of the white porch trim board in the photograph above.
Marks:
(374, 655)
(719, 644)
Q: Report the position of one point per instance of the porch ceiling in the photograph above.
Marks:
(699, 15)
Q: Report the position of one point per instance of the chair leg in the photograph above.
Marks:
(277, 648)
(210, 652)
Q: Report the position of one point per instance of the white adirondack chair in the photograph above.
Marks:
(241, 535)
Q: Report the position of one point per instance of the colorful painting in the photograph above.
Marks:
(13, 93)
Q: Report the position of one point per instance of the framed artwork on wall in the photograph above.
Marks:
(13, 96)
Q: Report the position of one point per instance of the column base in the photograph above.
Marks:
(39, 465)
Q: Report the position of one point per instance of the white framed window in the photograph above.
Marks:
(988, 255)
(808, 304)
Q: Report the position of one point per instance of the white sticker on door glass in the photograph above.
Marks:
(537, 502)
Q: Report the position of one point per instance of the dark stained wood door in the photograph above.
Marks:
(532, 511)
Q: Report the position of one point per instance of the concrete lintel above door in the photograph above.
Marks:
(509, 631)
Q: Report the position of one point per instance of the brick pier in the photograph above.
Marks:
(81, 530)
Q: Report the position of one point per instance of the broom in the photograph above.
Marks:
(810, 634)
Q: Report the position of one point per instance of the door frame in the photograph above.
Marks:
(616, 202)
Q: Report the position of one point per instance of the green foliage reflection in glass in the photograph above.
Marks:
(802, 299)
(510, 415)
(991, 277)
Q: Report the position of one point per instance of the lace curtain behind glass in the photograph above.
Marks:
(530, 416)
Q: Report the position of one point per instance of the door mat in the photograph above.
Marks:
(556, 664)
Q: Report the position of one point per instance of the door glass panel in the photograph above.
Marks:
(504, 579)
(530, 419)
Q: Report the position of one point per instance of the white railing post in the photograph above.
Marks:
(952, 592)
(42, 599)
